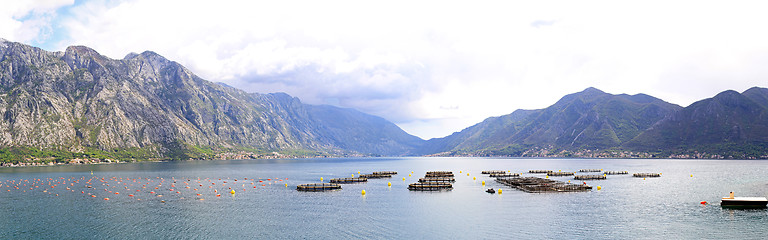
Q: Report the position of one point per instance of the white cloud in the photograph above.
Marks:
(435, 67)
(28, 21)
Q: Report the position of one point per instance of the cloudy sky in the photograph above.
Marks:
(432, 67)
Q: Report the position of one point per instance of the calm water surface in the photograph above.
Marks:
(626, 207)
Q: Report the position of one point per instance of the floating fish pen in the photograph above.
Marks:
(559, 174)
(375, 175)
(616, 172)
(385, 173)
(539, 171)
(541, 185)
(645, 175)
(504, 175)
(439, 174)
(437, 179)
(494, 172)
(348, 180)
(590, 170)
(430, 186)
(318, 187)
(589, 177)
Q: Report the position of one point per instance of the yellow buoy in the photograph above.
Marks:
(403, 179)
(483, 183)
(353, 175)
(286, 185)
(459, 171)
(321, 179)
(499, 190)
(409, 175)
(547, 176)
(232, 192)
(598, 188)
(363, 192)
(467, 174)
(358, 172)
(389, 184)
(691, 175)
(474, 178)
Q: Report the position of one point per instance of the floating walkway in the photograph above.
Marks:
(318, 187)
(645, 175)
(494, 172)
(348, 180)
(541, 185)
(539, 171)
(375, 176)
(434, 181)
(437, 179)
(559, 174)
(430, 186)
(615, 172)
(439, 174)
(590, 177)
(385, 173)
(590, 170)
(504, 175)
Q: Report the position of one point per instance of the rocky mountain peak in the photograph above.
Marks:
(82, 57)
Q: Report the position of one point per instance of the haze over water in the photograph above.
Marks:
(626, 207)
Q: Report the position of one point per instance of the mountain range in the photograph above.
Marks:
(146, 106)
(80, 104)
(728, 125)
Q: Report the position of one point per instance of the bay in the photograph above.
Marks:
(625, 208)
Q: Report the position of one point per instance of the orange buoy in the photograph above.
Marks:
(130, 195)
(703, 202)
(106, 199)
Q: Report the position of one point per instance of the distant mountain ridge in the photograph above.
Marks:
(79, 101)
(730, 124)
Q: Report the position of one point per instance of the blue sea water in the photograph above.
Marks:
(625, 208)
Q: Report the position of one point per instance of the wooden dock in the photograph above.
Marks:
(318, 187)
(494, 172)
(559, 174)
(590, 170)
(504, 175)
(439, 174)
(430, 186)
(541, 185)
(437, 179)
(615, 172)
(348, 180)
(375, 175)
(590, 177)
(434, 181)
(645, 175)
